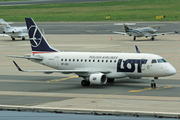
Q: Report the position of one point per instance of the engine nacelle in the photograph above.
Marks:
(98, 78)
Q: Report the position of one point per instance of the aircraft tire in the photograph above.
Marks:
(154, 85)
(85, 83)
(13, 39)
(152, 38)
(23, 38)
(134, 38)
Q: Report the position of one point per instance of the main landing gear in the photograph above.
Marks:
(85, 83)
(152, 38)
(134, 38)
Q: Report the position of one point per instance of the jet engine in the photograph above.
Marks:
(98, 78)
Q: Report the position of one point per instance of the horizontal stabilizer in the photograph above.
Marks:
(124, 23)
(121, 33)
(26, 57)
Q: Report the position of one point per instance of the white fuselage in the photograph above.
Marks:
(141, 32)
(16, 32)
(119, 64)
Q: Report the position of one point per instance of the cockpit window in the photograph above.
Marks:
(161, 61)
(153, 61)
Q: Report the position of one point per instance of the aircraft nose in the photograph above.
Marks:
(171, 70)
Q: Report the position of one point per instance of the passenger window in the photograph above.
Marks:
(110, 60)
(73, 60)
(106, 60)
(153, 61)
(98, 60)
(81, 60)
(115, 61)
(102, 60)
(69, 59)
(61, 59)
(89, 60)
(77, 60)
(85, 60)
(93, 60)
(65, 59)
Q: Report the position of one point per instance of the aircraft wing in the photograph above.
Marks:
(167, 33)
(4, 35)
(60, 71)
(121, 33)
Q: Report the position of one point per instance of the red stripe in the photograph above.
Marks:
(41, 52)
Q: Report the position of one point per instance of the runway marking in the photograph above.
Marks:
(58, 80)
(158, 88)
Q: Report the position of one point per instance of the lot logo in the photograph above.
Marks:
(129, 65)
(35, 36)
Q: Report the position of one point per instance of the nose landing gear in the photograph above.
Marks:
(153, 84)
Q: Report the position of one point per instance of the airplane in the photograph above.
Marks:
(94, 67)
(13, 32)
(141, 32)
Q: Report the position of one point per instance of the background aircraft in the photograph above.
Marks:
(13, 32)
(141, 32)
(94, 67)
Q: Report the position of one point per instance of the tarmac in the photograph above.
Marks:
(110, 99)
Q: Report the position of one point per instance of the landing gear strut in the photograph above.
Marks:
(134, 38)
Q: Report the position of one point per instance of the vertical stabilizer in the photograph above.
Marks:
(38, 42)
(5, 24)
(126, 27)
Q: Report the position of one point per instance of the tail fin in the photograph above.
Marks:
(126, 27)
(5, 24)
(38, 42)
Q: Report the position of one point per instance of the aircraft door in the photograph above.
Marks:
(56, 60)
(143, 66)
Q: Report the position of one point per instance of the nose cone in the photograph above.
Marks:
(171, 70)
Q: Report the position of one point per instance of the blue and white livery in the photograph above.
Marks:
(94, 67)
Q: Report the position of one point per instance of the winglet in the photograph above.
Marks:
(137, 50)
(18, 67)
